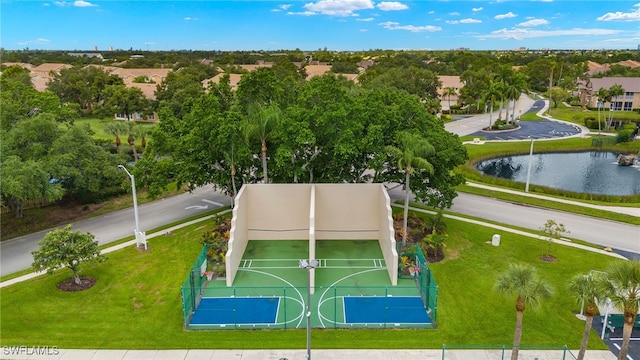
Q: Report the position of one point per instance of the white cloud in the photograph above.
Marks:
(455, 13)
(463, 21)
(282, 7)
(35, 41)
(476, 9)
(622, 16)
(505, 16)
(82, 3)
(77, 3)
(533, 22)
(303, 13)
(392, 5)
(189, 18)
(519, 34)
(431, 12)
(392, 25)
(365, 19)
(337, 7)
(46, 4)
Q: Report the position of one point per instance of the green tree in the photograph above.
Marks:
(65, 248)
(559, 94)
(115, 129)
(84, 86)
(410, 153)
(448, 92)
(614, 91)
(622, 286)
(260, 125)
(603, 96)
(261, 87)
(23, 181)
(120, 99)
(583, 288)
(179, 89)
(522, 281)
(491, 94)
(88, 172)
(553, 231)
(515, 88)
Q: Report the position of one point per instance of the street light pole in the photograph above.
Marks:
(309, 265)
(526, 188)
(140, 236)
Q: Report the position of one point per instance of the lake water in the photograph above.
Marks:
(593, 172)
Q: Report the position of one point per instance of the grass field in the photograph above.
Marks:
(136, 303)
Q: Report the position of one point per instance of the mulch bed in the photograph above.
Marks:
(70, 285)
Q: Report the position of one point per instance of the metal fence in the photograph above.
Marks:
(193, 286)
(393, 306)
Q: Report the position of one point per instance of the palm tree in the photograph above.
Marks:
(411, 154)
(603, 96)
(614, 91)
(583, 288)
(522, 281)
(512, 92)
(116, 129)
(491, 95)
(622, 286)
(503, 77)
(141, 131)
(519, 81)
(449, 91)
(261, 123)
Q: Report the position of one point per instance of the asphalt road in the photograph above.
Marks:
(15, 254)
(607, 233)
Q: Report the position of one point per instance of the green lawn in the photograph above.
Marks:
(136, 302)
(98, 126)
(576, 114)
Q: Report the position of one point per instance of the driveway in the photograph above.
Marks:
(543, 129)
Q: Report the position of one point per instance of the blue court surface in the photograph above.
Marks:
(238, 310)
(385, 309)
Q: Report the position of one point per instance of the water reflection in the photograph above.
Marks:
(592, 172)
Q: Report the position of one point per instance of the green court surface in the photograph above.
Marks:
(347, 268)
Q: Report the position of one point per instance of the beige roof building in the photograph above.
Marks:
(452, 82)
(41, 74)
(234, 79)
(627, 102)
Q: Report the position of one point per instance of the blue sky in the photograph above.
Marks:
(311, 25)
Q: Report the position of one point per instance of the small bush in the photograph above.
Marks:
(624, 136)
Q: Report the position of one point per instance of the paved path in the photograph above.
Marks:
(377, 354)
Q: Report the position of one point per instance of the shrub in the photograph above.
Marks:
(624, 136)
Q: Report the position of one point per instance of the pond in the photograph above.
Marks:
(593, 172)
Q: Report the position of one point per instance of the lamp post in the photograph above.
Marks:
(309, 265)
(526, 188)
(140, 236)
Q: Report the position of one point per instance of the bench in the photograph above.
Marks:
(617, 320)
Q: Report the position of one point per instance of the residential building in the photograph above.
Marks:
(42, 74)
(449, 81)
(627, 102)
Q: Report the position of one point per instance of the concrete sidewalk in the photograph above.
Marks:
(484, 354)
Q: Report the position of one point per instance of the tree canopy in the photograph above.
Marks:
(327, 130)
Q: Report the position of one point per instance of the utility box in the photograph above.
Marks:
(495, 240)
